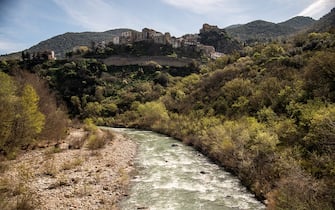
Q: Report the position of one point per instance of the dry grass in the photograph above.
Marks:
(95, 142)
(49, 168)
(83, 190)
(52, 150)
(99, 139)
(15, 191)
(72, 164)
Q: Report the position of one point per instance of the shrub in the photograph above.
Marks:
(72, 164)
(94, 142)
(89, 125)
(15, 191)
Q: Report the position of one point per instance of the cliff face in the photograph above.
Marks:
(218, 38)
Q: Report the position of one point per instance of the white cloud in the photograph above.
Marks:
(205, 6)
(9, 46)
(97, 15)
(318, 8)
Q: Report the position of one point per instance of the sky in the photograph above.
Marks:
(24, 23)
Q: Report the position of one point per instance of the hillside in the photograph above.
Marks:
(260, 30)
(326, 23)
(298, 22)
(65, 42)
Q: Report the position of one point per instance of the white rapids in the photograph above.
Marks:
(172, 176)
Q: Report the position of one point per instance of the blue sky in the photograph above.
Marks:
(24, 23)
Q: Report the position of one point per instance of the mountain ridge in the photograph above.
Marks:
(260, 30)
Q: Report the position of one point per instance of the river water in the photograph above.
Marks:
(172, 176)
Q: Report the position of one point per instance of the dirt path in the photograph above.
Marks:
(64, 178)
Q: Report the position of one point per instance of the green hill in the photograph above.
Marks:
(65, 42)
(263, 31)
(298, 22)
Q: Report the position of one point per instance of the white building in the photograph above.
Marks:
(116, 40)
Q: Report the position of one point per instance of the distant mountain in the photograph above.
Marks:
(326, 23)
(233, 26)
(298, 22)
(65, 42)
(260, 30)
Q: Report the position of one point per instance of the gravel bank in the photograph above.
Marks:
(64, 178)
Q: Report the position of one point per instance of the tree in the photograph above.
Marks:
(152, 113)
(273, 50)
(29, 120)
(8, 100)
(320, 74)
(21, 120)
(321, 135)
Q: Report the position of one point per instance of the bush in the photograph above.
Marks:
(99, 139)
(89, 125)
(94, 142)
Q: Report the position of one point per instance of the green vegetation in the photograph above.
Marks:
(266, 113)
(25, 106)
(96, 139)
(262, 31)
(136, 49)
(22, 119)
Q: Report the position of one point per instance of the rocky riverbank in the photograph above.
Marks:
(62, 177)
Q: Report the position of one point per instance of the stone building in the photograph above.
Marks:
(39, 56)
(176, 42)
(206, 49)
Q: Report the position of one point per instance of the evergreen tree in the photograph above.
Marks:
(31, 118)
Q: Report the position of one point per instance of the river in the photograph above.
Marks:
(172, 176)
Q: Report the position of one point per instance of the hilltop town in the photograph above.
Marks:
(211, 42)
(191, 41)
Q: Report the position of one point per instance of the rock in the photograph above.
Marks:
(75, 180)
(203, 172)
(53, 186)
(174, 145)
(142, 207)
